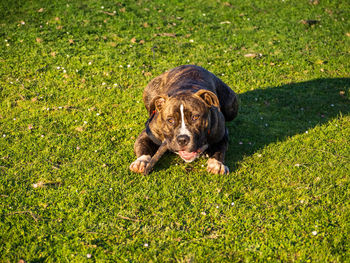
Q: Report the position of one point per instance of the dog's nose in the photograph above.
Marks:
(183, 140)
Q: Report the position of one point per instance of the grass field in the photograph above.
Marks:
(71, 80)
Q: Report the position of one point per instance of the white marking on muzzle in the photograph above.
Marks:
(183, 129)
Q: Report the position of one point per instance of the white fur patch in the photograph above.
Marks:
(183, 128)
(146, 158)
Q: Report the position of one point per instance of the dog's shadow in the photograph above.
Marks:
(273, 114)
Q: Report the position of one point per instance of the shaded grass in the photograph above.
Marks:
(71, 108)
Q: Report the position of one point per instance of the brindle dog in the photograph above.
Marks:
(188, 107)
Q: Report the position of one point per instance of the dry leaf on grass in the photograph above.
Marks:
(79, 129)
(250, 55)
(166, 34)
(108, 13)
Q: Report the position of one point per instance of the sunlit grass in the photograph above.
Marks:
(71, 80)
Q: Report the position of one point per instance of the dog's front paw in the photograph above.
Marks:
(217, 167)
(140, 164)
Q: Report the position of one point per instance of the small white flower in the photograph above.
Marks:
(85, 122)
(217, 206)
(145, 245)
(97, 114)
(35, 185)
(90, 63)
(203, 213)
(266, 125)
(110, 189)
(76, 70)
(88, 255)
(129, 66)
(103, 83)
(306, 132)
(241, 143)
(204, 14)
(7, 44)
(60, 107)
(233, 203)
(6, 40)
(48, 109)
(42, 135)
(23, 23)
(64, 71)
(115, 84)
(332, 105)
(120, 66)
(297, 165)
(102, 7)
(4, 135)
(259, 155)
(191, 40)
(314, 232)
(14, 119)
(58, 67)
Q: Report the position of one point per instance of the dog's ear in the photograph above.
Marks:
(157, 103)
(208, 97)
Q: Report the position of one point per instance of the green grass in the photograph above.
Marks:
(71, 80)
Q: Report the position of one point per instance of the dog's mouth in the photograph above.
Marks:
(188, 156)
(191, 156)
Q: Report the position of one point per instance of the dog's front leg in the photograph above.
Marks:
(144, 149)
(217, 157)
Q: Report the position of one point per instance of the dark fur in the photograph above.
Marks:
(202, 95)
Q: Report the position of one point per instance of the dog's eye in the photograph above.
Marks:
(171, 120)
(195, 117)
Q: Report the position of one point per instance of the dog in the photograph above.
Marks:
(188, 107)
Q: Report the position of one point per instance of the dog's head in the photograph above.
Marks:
(184, 121)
